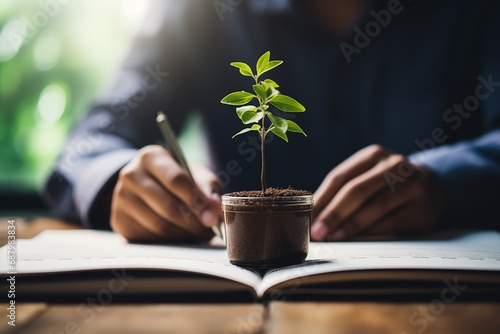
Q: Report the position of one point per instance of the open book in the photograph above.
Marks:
(58, 262)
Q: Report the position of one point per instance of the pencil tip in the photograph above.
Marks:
(160, 116)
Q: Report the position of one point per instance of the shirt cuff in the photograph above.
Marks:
(95, 176)
(469, 174)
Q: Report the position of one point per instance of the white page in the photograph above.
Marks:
(71, 250)
(475, 251)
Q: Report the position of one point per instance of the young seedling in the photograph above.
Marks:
(266, 93)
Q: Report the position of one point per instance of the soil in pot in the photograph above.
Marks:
(267, 231)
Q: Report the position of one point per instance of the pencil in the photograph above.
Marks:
(172, 144)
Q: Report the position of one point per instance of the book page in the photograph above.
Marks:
(474, 251)
(59, 251)
(83, 250)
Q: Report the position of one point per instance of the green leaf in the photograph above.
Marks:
(271, 92)
(254, 127)
(249, 114)
(251, 117)
(287, 104)
(271, 83)
(272, 64)
(278, 122)
(266, 86)
(244, 68)
(262, 62)
(260, 91)
(280, 134)
(294, 127)
(246, 108)
(237, 98)
(242, 132)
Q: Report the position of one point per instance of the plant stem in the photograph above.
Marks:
(263, 158)
(262, 146)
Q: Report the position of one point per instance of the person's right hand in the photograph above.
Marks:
(156, 200)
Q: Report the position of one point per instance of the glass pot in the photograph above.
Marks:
(265, 232)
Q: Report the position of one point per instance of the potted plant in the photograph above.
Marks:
(268, 227)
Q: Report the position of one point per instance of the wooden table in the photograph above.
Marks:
(280, 317)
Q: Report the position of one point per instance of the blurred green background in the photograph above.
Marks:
(55, 56)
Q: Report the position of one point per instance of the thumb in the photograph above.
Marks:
(213, 209)
(212, 188)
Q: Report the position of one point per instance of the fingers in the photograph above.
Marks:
(409, 219)
(171, 176)
(355, 165)
(155, 210)
(380, 207)
(353, 196)
(210, 185)
(367, 194)
(163, 214)
(155, 199)
(390, 224)
(123, 222)
(208, 181)
(422, 211)
(133, 230)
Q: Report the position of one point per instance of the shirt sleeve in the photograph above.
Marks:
(80, 187)
(470, 169)
(470, 173)
(152, 78)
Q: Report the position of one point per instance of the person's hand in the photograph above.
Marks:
(156, 200)
(376, 192)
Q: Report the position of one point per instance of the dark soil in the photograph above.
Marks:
(267, 239)
(271, 192)
(267, 231)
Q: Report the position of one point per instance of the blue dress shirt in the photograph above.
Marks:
(424, 82)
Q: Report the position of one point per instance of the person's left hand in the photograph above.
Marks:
(376, 192)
